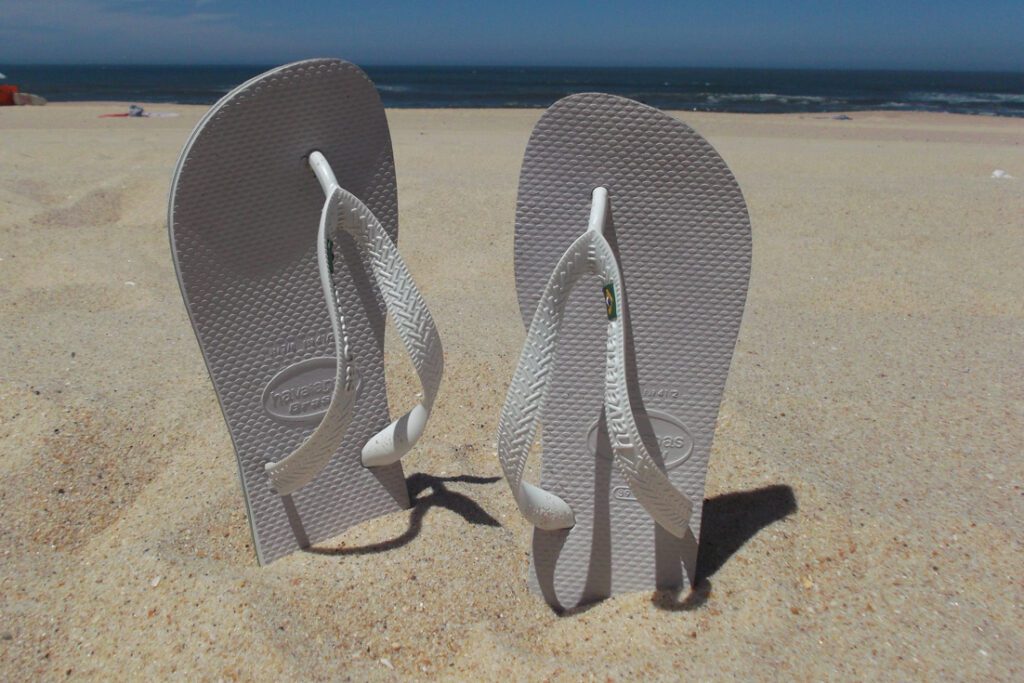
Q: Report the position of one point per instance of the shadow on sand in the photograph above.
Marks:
(730, 520)
(440, 496)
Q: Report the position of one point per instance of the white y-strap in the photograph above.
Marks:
(344, 211)
(524, 404)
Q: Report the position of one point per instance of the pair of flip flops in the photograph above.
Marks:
(632, 259)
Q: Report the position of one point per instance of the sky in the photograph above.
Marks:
(870, 34)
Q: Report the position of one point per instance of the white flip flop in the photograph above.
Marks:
(283, 220)
(632, 263)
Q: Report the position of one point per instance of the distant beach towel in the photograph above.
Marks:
(135, 111)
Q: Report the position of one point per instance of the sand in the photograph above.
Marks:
(865, 493)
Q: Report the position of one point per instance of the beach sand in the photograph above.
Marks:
(865, 510)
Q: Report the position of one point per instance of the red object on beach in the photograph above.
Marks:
(7, 95)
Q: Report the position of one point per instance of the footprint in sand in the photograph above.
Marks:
(97, 207)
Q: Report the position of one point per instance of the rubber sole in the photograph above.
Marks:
(243, 218)
(682, 234)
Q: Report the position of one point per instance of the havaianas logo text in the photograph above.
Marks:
(668, 434)
(610, 305)
(301, 392)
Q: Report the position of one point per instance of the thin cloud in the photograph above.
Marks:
(95, 30)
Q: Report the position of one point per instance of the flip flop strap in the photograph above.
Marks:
(413, 322)
(527, 394)
(344, 211)
(303, 464)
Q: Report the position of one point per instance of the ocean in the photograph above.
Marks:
(699, 89)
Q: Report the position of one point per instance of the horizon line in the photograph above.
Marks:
(515, 66)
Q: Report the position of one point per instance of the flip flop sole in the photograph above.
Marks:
(680, 228)
(243, 219)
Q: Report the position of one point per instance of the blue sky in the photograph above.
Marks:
(937, 34)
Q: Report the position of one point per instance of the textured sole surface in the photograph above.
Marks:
(243, 223)
(682, 234)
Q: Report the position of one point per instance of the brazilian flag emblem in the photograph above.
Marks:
(330, 254)
(610, 305)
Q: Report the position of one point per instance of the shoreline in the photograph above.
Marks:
(701, 112)
(875, 125)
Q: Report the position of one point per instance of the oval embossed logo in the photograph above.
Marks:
(622, 493)
(301, 392)
(671, 435)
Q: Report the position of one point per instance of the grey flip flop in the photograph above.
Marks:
(632, 259)
(283, 219)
